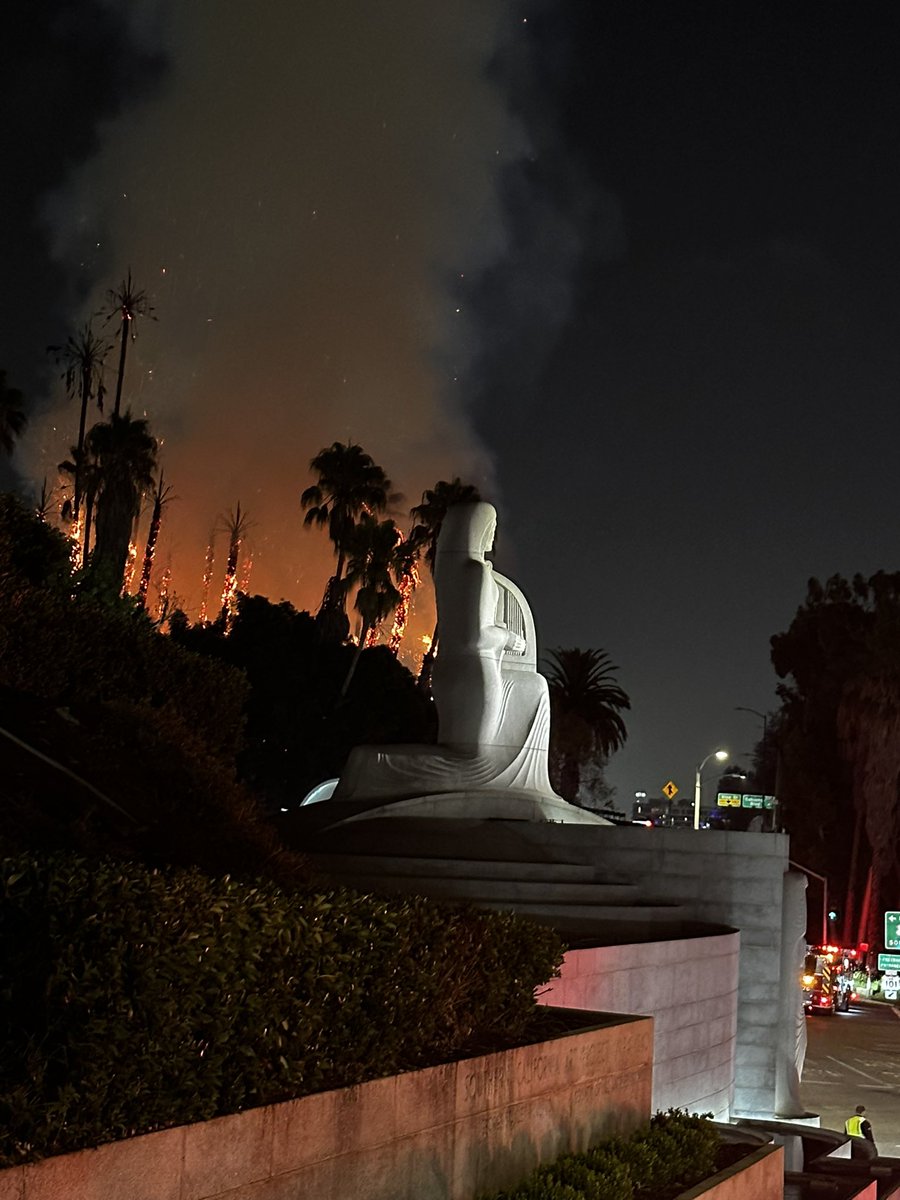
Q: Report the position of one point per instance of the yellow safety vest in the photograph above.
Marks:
(853, 1126)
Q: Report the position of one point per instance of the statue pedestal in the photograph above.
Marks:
(482, 804)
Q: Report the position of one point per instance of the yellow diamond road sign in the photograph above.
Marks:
(669, 790)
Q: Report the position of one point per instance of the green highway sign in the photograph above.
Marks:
(889, 962)
(892, 931)
(748, 801)
(728, 800)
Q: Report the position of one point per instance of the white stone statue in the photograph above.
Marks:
(493, 706)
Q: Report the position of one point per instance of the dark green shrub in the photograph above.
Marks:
(80, 651)
(674, 1153)
(31, 551)
(133, 999)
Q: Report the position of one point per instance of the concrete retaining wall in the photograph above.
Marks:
(732, 879)
(757, 1177)
(690, 988)
(444, 1133)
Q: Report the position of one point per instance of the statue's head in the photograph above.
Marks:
(468, 529)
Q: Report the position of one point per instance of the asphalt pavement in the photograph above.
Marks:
(854, 1058)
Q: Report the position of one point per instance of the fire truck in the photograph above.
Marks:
(827, 979)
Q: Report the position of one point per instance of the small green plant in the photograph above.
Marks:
(674, 1153)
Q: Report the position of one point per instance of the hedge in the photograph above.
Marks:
(674, 1153)
(133, 999)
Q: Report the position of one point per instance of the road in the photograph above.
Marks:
(854, 1058)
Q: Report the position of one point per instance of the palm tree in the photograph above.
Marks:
(83, 357)
(350, 484)
(44, 502)
(408, 553)
(373, 568)
(125, 454)
(12, 415)
(586, 706)
(161, 497)
(429, 517)
(236, 525)
(126, 303)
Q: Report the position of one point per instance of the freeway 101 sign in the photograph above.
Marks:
(892, 931)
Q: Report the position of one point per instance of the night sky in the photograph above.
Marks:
(631, 271)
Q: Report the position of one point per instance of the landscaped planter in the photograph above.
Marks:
(759, 1176)
(444, 1133)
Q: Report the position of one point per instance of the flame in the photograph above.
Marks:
(162, 607)
(426, 640)
(407, 585)
(207, 578)
(245, 574)
(129, 566)
(230, 590)
(372, 637)
(76, 536)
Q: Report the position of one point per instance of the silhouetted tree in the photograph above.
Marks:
(841, 660)
(161, 497)
(350, 483)
(83, 356)
(12, 415)
(429, 517)
(126, 303)
(373, 568)
(586, 705)
(125, 454)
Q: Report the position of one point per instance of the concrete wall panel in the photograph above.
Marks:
(689, 987)
(444, 1133)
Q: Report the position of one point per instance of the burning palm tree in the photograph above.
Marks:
(161, 497)
(124, 452)
(429, 517)
(83, 357)
(373, 568)
(349, 485)
(236, 525)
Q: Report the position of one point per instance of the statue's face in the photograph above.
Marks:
(489, 534)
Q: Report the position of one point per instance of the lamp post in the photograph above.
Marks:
(719, 756)
(760, 782)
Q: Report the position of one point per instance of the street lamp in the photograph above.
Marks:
(760, 782)
(764, 717)
(719, 756)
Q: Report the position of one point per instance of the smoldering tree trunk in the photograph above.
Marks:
(79, 450)
(120, 378)
(360, 646)
(147, 567)
(115, 516)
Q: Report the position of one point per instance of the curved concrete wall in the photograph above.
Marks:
(690, 988)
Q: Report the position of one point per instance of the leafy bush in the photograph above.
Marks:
(133, 999)
(30, 550)
(75, 651)
(674, 1153)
